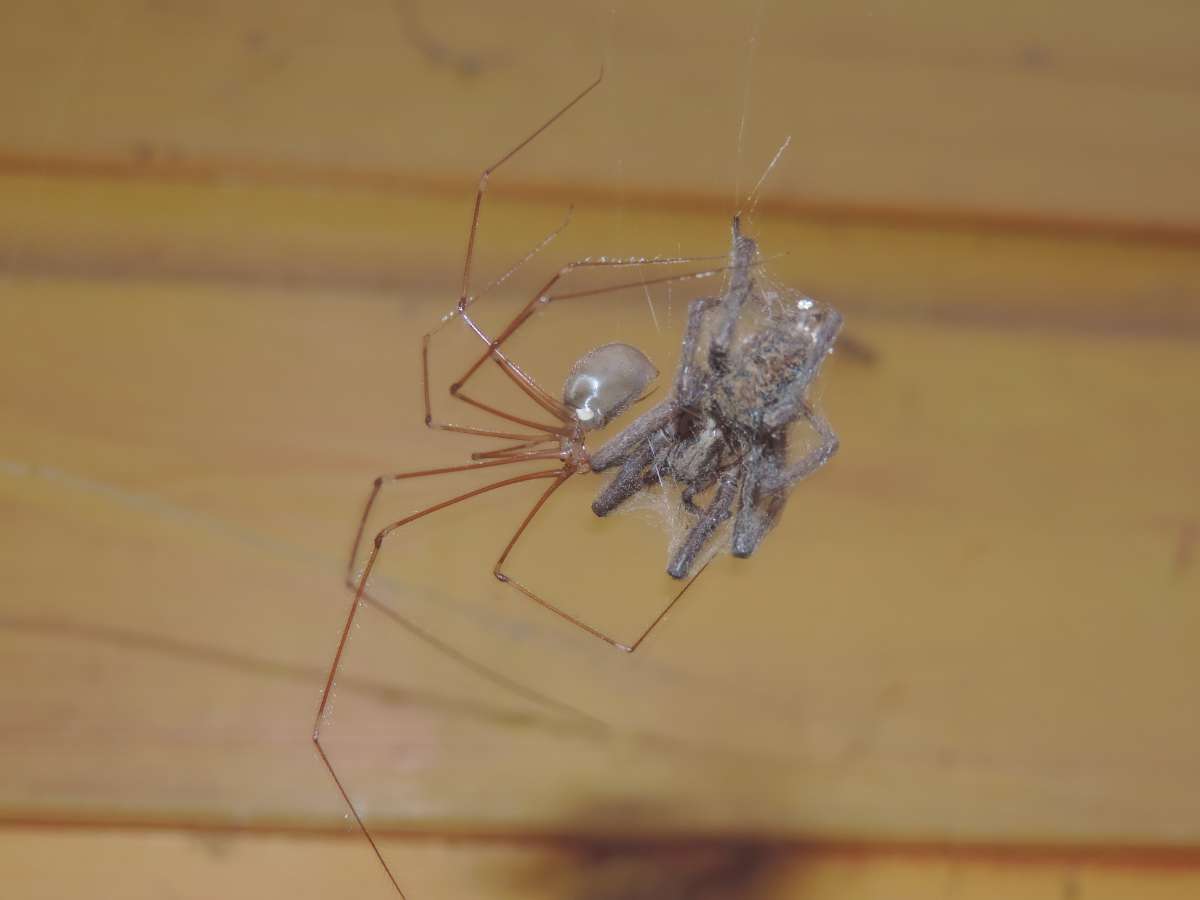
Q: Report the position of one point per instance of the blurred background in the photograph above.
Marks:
(963, 665)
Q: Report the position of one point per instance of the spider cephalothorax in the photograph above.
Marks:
(745, 366)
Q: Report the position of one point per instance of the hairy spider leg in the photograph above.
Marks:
(718, 511)
(634, 434)
(760, 503)
(761, 474)
(632, 449)
(629, 480)
(684, 385)
(741, 259)
(766, 475)
(559, 474)
(811, 461)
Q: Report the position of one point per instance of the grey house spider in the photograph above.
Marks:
(727, 418)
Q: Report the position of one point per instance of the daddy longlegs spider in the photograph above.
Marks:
(601, 386)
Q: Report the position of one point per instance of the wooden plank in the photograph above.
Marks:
(408, 239)
(977, 625)
(41, 863)
(1078, 115)
(226, 228)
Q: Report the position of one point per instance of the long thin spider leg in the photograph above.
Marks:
(717, 512)
(490, 674)
(685, 376)
(544, 296)
(468, 259)
(496, 411)
(515, 267)
(812, 461)
(508, 579)
(741, 258)
(512, 448)
(356, 603)
(466, 429)
(575, 620)
(665, 610)
(379, 482)
(362, 826)
(463, 303)
(512, 542)
(465, 292)
(485, 672)
(752, 200)
(498, 571)
(523, 380)
(527, 384)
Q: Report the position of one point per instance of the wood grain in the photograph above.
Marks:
(1079, 113)
(147, 864)
(183, 464)
(224, 232)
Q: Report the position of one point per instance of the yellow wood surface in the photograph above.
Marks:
(140, 865)
(224, 232)
(1073, 112)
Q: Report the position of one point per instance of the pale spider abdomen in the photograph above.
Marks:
(605, 381)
